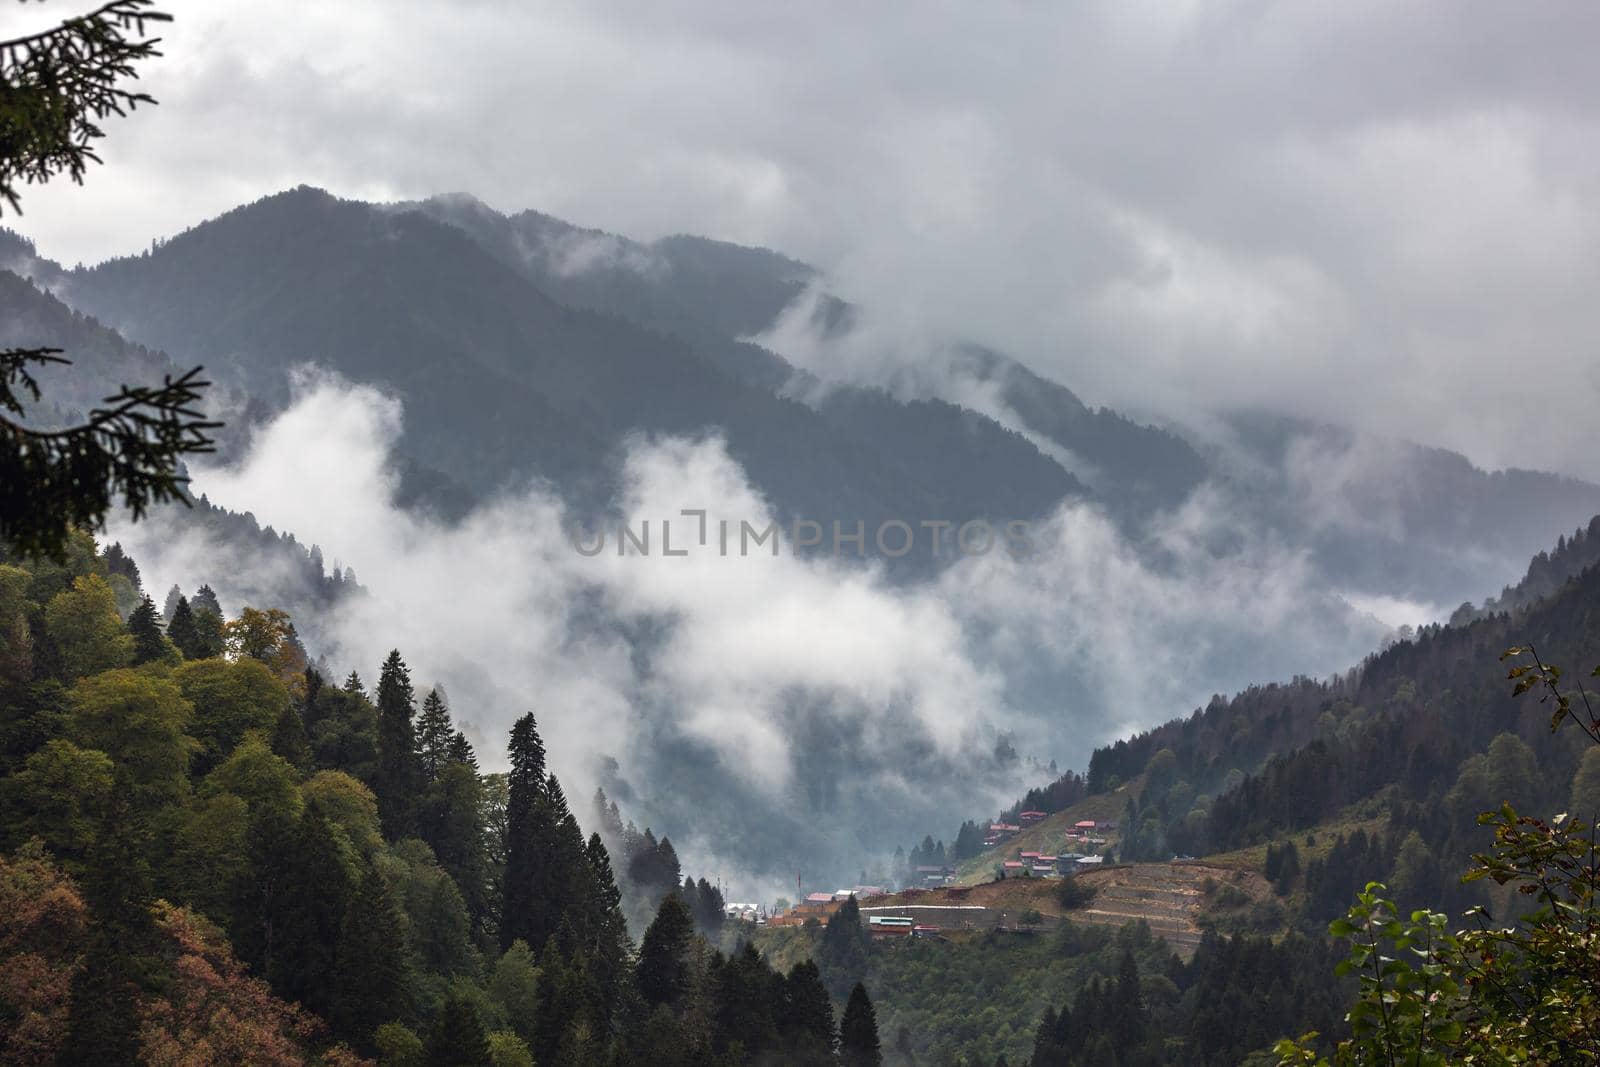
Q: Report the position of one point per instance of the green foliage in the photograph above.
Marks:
(457, 1038)
(230, 700)
(150, 645)
(398, 773)
(349, 806)
(138, 720)
(370, 972)
(1520, 992)
(1075, 893)
(514, 987)
(210, 857)
(265, 782)
(1584, 802)
(805, 1021)
(663, 970)
(399, 1046)
(86, 629)
(858, 1031)
(507, 1049)
(58, 85)
(60, 796)
(16, 637)
(182, 631)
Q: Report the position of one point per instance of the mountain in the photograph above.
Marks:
(501, 382)
(527, 347)
(1386, 514)
(715, 294)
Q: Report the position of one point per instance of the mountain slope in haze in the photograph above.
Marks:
(1387, 514)
(501, 382)
(714, 295)
(1377, 516)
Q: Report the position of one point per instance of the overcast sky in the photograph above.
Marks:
(1381, 214)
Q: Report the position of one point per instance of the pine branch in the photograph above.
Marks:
(127, 452)
(57, 85)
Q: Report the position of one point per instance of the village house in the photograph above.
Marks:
(890, 925)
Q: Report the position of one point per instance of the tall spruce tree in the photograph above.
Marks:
(749, 1000)
(289, 738)
(182, 630)
(858, 1031)
(434, 734)
(525, 784)
(457, 1038)
(662, 973)
(103, 1021)
(369, 974)
(607, 946)
(208, 623)
(398, 771)
(461, 751)
(171, 604)
(308, 892)
(805, 1022)
(149, 644)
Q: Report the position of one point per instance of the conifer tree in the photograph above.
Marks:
(397, 749)
(303, 891)
(369, 975)
(806, 1019)
(208, 623)
(434, 734)
(103, 1022)
(662, 973)
(205, 599)
(170, 605)
(457, 1038)
(149, 644)
(608, 946)
(56, 88)
(182, 631)
(524, 785)
(559, 1002)
(289, 738)
(858, 1031)
(353, 686)
(451, 823)
(749, 998)
(460, 751)
(119, 562)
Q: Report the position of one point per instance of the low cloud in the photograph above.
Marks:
(769, 713)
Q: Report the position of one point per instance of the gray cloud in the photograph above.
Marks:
(1377, 214)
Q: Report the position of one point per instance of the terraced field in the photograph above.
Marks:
(1170, 897)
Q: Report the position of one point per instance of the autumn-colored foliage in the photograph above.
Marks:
(42, 919)
(213, 1011)
(210, 1010)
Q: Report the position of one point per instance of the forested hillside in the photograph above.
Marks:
(211, 853)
